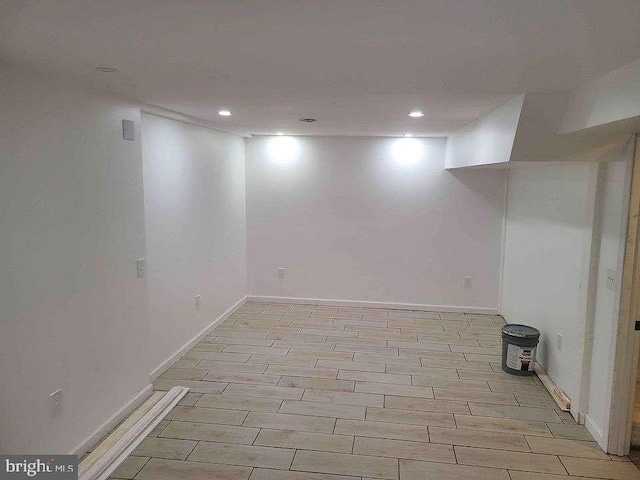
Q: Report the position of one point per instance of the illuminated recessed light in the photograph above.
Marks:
(224, 113)
(408, 135)
(107, 69)
(280, 134)
(416, 114)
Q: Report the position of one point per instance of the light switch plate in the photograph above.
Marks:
(128, 130)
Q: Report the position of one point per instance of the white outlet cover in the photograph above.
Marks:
(466, 282)
(198, 302)
(280, 272)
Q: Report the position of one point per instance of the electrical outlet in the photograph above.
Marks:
(55, 400)
(281, 272)
(140, 267)
(198, 301)
(466, 282)
(559, 341)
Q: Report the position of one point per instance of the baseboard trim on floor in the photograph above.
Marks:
(363, 303)
(164, 366)
(595, 432)
(97, 435)
(110, 454)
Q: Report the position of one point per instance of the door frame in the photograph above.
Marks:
(627, 340)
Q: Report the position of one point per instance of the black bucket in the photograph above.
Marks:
(519, 344)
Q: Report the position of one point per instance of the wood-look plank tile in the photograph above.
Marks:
(317, 383)
(418, 470)
(363, 428)
(515, 475)
(321, 409)
(374, 377)
(449, 383)
(571, 432)
(386, 359)
(273, 360)
(130, 467)
(567, 448)
(392, 389)
(345, 464)
(528, 400)
(240, 377)
(451, 373)
(165, 448)
(231, 402)
(304, 423)
(190, 399)
(218, 356)
(457, 364)
(253, 349)
(494, 377)
(346, 398)
(383, 447)
(194, 386)
(475, 438)
(207, 415)
(582, 467)
(162, 469)
(425, 404)
(392, 415)
(307, 354)
(244, 455)
(263, 391)
(310, 372)
(474, 396)
(522, 413)
(504, 425)
(345, 365)
(243, 367)
(240, 340)
(209, 432)
(531, 462)
(268, 474)
(324, 442)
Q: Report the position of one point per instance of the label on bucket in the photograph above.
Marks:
(521, 358)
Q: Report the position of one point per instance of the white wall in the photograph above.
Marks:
(610, 238)
(371, 219)
(194, 190)
(487, 140)
(546, 263)
(74, 315)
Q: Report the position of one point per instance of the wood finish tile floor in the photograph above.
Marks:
(299, 392)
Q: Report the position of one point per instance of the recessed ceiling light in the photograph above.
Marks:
(224, 113)
(280, 134)
(408, 135)
(107, 69)
(308, 120)
(416, 114)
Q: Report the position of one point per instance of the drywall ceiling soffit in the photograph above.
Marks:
(527, 132)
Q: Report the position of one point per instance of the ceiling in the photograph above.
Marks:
(358, 66)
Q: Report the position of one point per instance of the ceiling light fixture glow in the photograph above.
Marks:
(279, 134)
(416, 114)
(224, 113)
(408, 135)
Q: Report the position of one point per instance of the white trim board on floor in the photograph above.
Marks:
(178, 354)
(88, 443)
(362, 303)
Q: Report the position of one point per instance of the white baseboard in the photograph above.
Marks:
(88, 443)
(363, 303)
(164, 366)
(595, 432)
